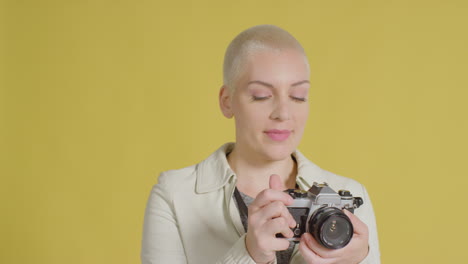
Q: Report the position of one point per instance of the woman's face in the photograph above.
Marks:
(270, 104)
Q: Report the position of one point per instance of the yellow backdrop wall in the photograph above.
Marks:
(98, 97)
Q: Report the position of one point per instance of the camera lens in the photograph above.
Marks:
(331, 227)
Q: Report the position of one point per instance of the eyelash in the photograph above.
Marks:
(256, 98)
(298, 99)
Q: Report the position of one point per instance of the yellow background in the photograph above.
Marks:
(98, 97)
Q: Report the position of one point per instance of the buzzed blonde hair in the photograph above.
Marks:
(251, 40)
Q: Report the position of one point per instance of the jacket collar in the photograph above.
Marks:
(214, 172)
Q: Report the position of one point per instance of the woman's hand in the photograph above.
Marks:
(353, 253)
(269, 216)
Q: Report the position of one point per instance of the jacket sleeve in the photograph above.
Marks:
(161, 242)
(368, 215)
(237, 254)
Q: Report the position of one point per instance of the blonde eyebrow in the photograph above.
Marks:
(301, 82)
(261, 83)
(269, 85)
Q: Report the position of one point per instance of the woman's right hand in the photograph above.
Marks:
(269, 216)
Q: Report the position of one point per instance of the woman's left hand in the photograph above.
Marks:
(353, 253)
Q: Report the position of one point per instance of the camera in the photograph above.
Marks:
(319, 212)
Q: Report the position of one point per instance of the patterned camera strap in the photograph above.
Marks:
(242, 201)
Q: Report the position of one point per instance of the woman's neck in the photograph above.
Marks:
(253, 174)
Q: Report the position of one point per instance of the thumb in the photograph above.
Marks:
(276, 183)
(359, 226)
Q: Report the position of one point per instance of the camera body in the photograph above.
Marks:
(319, 212)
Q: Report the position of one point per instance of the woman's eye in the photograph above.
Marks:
(260, 98)
(299, 99)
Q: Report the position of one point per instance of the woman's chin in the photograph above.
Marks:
(269, 150)
(279, 152)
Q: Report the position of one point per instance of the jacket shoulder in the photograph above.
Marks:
(173, 179)
(337, 182)
(339, 179)
(310, 172)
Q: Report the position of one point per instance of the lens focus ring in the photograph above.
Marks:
(331, 227)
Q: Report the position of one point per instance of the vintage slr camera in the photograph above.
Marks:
(319, 212)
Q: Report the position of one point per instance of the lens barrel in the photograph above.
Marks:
(331, 227)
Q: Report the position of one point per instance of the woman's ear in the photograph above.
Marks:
(225, 101)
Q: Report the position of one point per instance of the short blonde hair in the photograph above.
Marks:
(251, 40)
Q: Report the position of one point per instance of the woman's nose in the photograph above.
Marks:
(281, 110)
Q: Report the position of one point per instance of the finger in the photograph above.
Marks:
(318, 249)
(279, 244)
(308, 254)
(358, 226)
(278, 225)
(274, 210)
(267, 196)
(276, 183)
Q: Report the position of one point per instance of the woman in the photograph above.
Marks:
(199, 214)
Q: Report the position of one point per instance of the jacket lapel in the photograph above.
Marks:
(215, 173)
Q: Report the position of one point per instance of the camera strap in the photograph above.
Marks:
(243, 210)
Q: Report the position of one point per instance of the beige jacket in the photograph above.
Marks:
(191, 216)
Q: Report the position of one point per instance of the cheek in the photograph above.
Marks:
(249, 117)
(305, 115)
(302, 116)
(301, 109)
(301, 121)
(254, 118)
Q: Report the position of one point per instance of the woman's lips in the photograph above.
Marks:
(278, 135)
